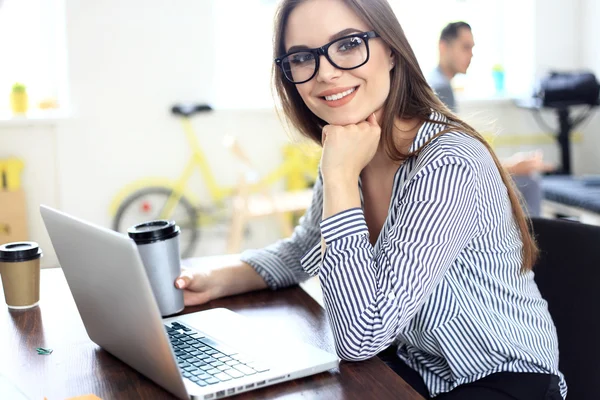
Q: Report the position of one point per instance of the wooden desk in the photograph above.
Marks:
(78, 366)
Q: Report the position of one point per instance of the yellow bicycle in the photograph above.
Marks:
(163, 198)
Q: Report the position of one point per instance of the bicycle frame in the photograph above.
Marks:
(217, 192)
(293, 167)
(290, 165)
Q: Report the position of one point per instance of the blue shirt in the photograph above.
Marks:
(442, 88)
(444, 278)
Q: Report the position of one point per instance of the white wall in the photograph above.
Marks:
(589, 35)
(558, 40)
(130, 61)
(590, 32)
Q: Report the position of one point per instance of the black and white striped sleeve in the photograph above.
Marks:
(369, 299)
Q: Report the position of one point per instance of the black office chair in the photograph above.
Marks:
(568, 276)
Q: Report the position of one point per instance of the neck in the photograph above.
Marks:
(405, 131)
(447, 71)
(380, 161)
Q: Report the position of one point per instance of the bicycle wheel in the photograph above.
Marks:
(146, 204)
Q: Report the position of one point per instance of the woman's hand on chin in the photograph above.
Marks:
(348, 149)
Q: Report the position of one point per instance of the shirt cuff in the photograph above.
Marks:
(270, 267)
(311, 262)
(347, 223)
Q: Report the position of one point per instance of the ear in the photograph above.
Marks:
(392, 60)
(443, 46)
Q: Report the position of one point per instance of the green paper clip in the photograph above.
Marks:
(43, 352)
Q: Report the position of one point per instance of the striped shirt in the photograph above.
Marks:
(444, 278)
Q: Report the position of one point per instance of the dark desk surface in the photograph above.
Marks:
(78, 366)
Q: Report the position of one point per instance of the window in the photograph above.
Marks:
(33, 48)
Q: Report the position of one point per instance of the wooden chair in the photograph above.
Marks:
(247, 206)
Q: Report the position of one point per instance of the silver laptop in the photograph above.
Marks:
(204, 355)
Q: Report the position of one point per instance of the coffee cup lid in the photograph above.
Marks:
(20, 251)
(153, 231)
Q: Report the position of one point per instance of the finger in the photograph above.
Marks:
(185, 280)
(194, 298)
(181, 282)
(324, 135)
(372, 120)
(548, 167)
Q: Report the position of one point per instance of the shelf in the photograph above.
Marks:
(34, 118)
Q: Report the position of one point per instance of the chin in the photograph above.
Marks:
(341, 118)
(343, 121)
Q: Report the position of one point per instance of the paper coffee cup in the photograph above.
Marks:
(20, 271)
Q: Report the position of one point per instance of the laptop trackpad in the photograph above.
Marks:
(247, 336)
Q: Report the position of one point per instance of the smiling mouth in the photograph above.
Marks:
(338, 96)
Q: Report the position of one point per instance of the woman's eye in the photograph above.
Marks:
(298, 59)
(349, 44)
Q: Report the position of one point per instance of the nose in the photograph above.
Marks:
(327, 72)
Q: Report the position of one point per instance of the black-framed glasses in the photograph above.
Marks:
(346, 53)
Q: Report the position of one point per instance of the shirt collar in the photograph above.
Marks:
(428, 130)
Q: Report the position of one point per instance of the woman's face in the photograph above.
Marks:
(317, 22)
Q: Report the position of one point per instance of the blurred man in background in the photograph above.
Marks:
(456, 51)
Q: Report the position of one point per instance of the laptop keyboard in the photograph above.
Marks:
(207, 362)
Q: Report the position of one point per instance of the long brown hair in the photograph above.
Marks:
(410, 97)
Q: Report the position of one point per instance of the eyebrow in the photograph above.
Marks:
(340, 34)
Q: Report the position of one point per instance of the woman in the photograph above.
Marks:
(415, 231)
